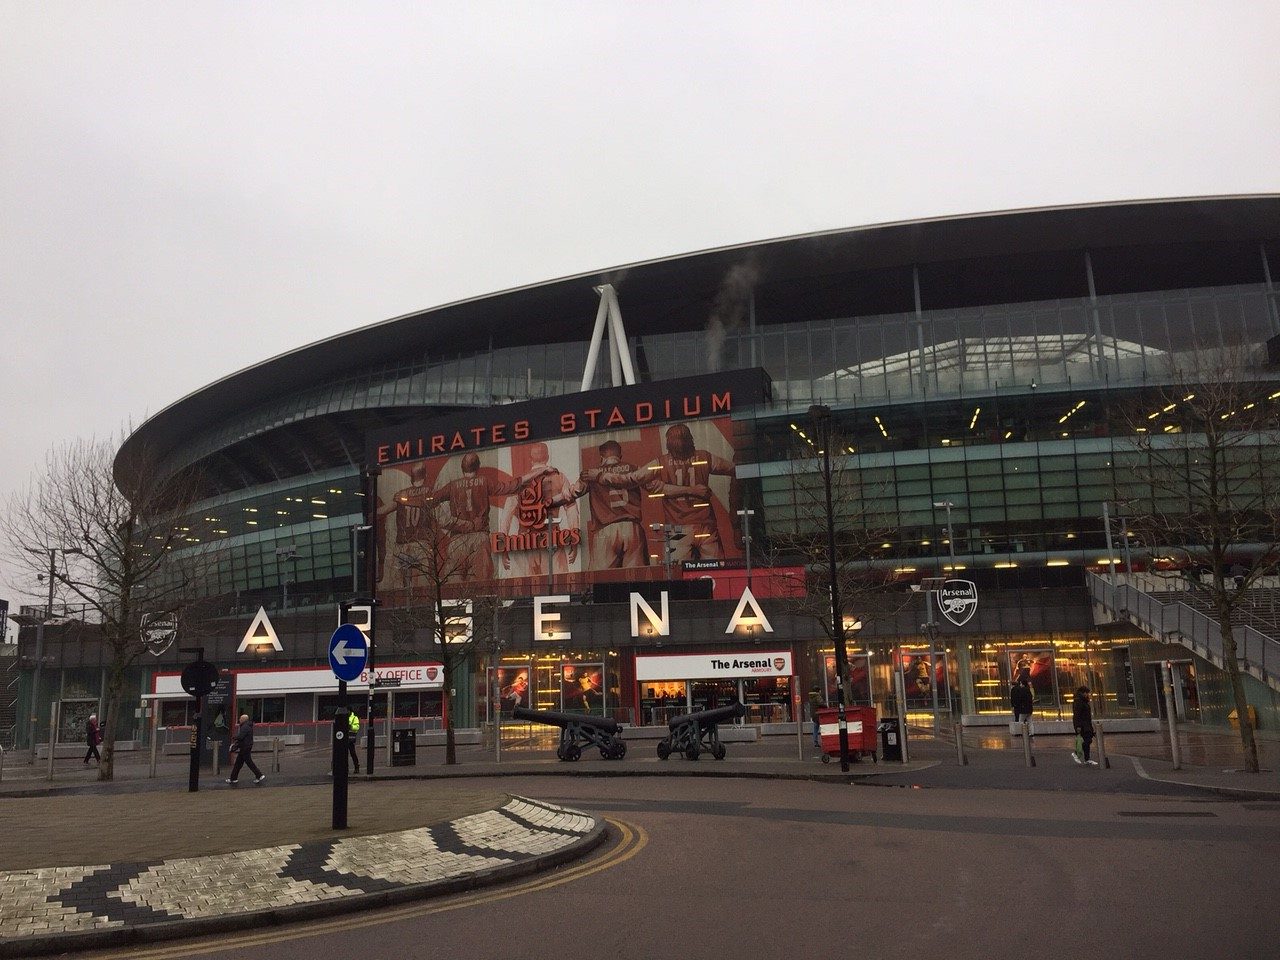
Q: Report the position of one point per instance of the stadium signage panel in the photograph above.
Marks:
(614, 408)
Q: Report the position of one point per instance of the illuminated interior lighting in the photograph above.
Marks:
(318, 502)
(1168, 408)
(250, 509)
(701, 536)
(1189, 396)
(885, 546)
(1108, 561)
(956, 566)
(1249, 406)
(1057, 563)
(1142, 430)
(1169, 427)
(1071, 536)
(1008, 434)
(698, 463)
(924, 543)
(251, 523)
(702, 504)
(653, 556)
(282, 513)
(1274, 395)
(1065, 434)
(946, 442)
(655, 496)
(1152, 416)
(331, 490)
(904, 570)
(973, 422)
(1006, 565)
(879, 423)
(320, 516)
(655, 466)
(212, 519)
(850, 450)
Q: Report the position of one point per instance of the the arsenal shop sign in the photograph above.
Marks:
(615, 408)
(958, 600)
(700, 666)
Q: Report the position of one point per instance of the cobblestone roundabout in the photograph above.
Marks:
(69, 900)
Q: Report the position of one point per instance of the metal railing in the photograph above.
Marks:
(1178, 622)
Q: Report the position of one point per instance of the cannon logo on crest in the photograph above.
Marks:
(779, 663)
(159, 630)
(958, 600)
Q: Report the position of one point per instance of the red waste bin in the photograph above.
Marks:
(862, 732)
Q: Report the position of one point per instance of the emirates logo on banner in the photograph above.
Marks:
(532, 509)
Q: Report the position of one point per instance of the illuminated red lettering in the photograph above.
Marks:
(403, 450)
(498, 433)
(437, 443)
(383, 453)
(722, 402)
(421, 451)
(568, 423)
(697, 407)
(591, 417)
(666, 409)
(522, 430)
(644, 412)
(457, 443)
(478, 433)
(615, 418)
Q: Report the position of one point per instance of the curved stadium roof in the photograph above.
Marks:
(675, 293)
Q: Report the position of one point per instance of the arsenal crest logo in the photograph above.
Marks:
(779, 663)
(431, 673)
(532, 509)
(958, 600)
(158, 631)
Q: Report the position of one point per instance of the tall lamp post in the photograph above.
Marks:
(821, 417)
(963, 669)
(668, 537)
(746, 516)
(48, 615)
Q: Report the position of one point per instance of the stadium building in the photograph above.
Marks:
(605, 434)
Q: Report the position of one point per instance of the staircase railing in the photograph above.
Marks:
(1178, 622)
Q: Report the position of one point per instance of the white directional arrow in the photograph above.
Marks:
(341, 651)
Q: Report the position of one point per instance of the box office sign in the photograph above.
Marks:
(700, 666)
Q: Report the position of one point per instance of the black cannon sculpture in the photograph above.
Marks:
(693, 733)
(578, 730)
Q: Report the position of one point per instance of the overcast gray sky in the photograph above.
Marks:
(186, 189)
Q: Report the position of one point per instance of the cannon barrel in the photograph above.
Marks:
(705, 717)
(554, 718)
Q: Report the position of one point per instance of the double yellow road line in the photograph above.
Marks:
(632, 839)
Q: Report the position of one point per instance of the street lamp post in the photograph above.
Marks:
(285, 555)
(746, 516)
(821, 417)
(668, 538)
(48, 615)
(963, 668)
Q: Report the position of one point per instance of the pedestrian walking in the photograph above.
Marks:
(1022, 700)
(242, 747)
(1082, 721)
(353, 738)
(815, 704)
(92, 737)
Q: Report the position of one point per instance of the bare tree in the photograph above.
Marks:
(438, 600)
(129, 552)
(835, 535)
(1206, 459)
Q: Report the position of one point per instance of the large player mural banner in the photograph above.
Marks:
(581, 502)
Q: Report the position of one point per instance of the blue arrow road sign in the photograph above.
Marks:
(348, 652)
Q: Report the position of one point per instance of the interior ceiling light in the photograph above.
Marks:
(973, 422)
(880, 424)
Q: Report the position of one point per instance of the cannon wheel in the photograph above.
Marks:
(826, 758)
(664, 749)
(718, 751)
(615, 751)
(691, 752)
(572, 751)
(560, 751)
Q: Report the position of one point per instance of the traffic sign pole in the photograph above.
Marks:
(341, 731)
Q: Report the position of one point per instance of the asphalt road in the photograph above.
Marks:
(753, 868)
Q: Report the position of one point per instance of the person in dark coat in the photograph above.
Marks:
(1082, 721)
(92, 737)
(1022, 699)
(242, 746)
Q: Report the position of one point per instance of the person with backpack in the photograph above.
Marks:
(1082, 721)
(1022, 700)
(242, 747)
